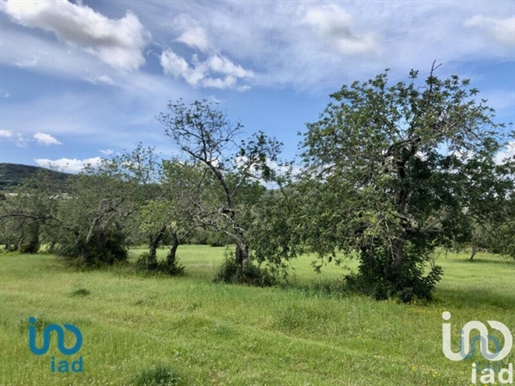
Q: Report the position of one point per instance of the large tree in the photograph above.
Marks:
(392, 170)
(232, 167)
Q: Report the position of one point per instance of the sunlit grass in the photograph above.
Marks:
(138, 326)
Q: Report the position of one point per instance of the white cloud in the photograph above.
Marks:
(287, 44)
(100, 79)
(106, 151)
(68, 165)
(31, 52)
(501, 29)
(88, 116)
(177, 66)
(46, 139)
(216, 71)
(5, 133)
(116, 42)
(334, 25)
(224, 66)
(221, 83)
(195, 37)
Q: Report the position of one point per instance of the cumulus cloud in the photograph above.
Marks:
(68, 165)
(501, 29)
(6, 133)
(46, 139)
(316, 46)
(334, 25)
(195, 37)
(216, 71)
(213, 70)
(116, 42)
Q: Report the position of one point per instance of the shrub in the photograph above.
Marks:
(377, 278)
(105, 247)
(147, 264)
(231, 272)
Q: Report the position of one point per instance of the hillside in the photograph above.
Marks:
(12, 175)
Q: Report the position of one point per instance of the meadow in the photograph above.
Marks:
(189, 330)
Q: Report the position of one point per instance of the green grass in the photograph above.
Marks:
(141, 329)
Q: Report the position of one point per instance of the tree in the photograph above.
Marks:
(206, 136)
(391, 171)
(139, 170)
(28, 210)
(187, 190)
(498, 236)
(90, 220)
(171, 213)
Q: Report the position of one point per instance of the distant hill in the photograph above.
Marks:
(12, 175)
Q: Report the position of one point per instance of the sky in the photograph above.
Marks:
(80, 80)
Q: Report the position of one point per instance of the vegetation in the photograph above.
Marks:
(391, 173)
(13, 175)
(139, 328)
(207, 138)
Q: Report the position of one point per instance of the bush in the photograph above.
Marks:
(105, 247)
(231, 272)
(147, 264)
(379, 279)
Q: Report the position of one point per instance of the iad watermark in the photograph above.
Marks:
(489, 372)
(62, 366)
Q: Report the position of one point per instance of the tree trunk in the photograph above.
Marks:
(242, 254)
(153, 244)
(397, 252)
(171, 258)
(474, 251)
(11, 247)
(20, 241)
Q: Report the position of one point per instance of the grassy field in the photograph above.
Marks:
(135, 326)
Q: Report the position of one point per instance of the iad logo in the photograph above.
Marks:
(63, 366)
(468, 347)
(484, 337)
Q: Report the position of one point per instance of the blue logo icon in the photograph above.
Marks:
(62, 366)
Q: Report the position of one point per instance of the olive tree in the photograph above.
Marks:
(208, 139)
(28, 212)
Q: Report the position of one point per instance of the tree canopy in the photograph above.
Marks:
(397, 169)
(391, 171)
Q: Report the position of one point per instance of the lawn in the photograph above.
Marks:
(215, 334)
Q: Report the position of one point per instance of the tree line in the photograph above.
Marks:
(388, 173)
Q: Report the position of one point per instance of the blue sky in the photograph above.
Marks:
(84, 79)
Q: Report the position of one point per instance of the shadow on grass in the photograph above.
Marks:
(330, 289)
(499, 261)
(460, 298)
